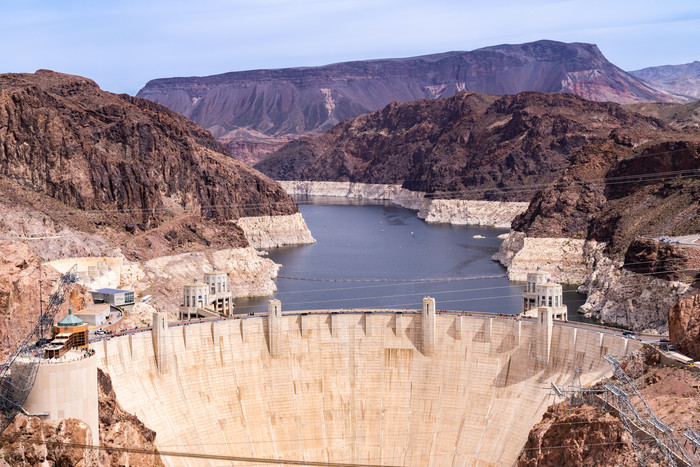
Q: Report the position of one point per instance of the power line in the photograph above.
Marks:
(154, 452)
(526, 188)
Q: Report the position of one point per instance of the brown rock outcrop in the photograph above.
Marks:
(471, 146)
(586, 435)
(669, 261)
(122, 429)
(94, 150)
(684, 326)
(624, 199)
(31, 441)
(20, 274)
(583, 436)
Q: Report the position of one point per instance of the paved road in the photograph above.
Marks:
(693, 240)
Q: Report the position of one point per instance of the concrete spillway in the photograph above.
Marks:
(366, 388)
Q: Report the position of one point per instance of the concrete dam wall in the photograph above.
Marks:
(379, 388)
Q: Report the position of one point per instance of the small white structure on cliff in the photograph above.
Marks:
(540, 291)
(211, 298)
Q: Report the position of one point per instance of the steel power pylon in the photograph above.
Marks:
(18, 374)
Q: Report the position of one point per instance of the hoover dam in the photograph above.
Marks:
(354, 386)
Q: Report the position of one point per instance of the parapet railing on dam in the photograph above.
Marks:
(593, 326)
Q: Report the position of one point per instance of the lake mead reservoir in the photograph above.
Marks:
(379, 255)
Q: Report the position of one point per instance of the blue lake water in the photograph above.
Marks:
(378, 255)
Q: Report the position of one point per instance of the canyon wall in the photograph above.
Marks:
(684, 326)
(637, 301)
(614, 294)
(253, 112)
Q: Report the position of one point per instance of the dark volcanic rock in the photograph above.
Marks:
(93, 150)
(615, 195)
(583, 436)
(252, 108)
(659, 259)
(470, 145)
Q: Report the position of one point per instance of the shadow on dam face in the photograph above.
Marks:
(351, 387)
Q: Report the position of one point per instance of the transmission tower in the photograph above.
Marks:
(18, 374)
(652, 440)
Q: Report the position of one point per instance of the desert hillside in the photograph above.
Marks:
(255, 112)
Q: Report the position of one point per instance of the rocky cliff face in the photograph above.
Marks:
(122, 429)
(249, 110)
(684, 326)
(684, 117)
(84, 172)
(31, 441)
(584, 436)
(444, 211)
(471, 146)
(618, 198)
(93, 150)
(20, 274)
(681, 81)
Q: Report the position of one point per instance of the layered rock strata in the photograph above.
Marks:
(264, 232)
(563, 258)
(446, 211)
(252, 111)
(250, 275)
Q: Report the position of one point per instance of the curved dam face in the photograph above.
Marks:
(371, 388)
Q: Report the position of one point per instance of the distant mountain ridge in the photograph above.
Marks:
(682, 81)
(255, 112)
(470, 145)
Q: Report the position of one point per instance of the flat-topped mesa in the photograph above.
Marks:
(255, 112)
(360, 386)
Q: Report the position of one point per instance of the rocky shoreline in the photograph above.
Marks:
(264, 232)
(250, 274)
(614, 295)
(448, 211)
(563, 258)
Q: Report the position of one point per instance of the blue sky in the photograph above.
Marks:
(121, 45)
